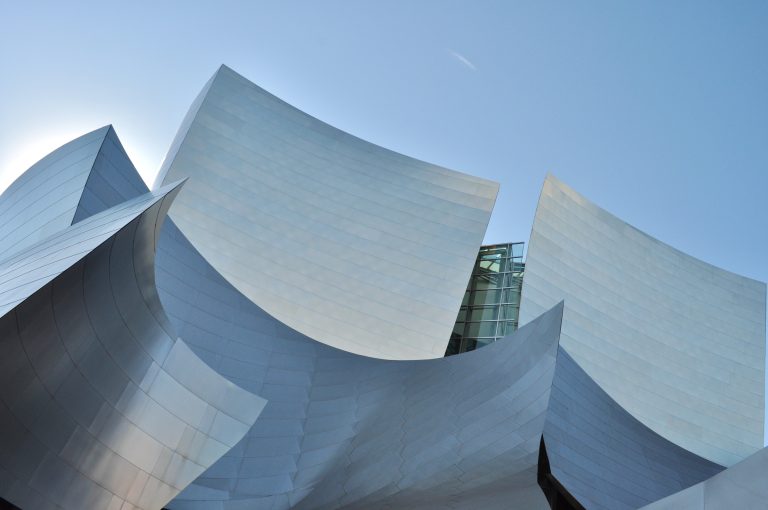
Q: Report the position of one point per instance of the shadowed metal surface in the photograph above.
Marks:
(597, 450)
(101, 406)
(341, 430)
(603, 456)
(353, 245)
(741, 486)
(678, 343)
(308, 431)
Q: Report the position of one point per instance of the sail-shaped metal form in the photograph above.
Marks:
(296, 453)
(597, 452)
(343, 430)
(678, 343)
(602, 456)
(354, 245)
(740, 486)
(101, 406)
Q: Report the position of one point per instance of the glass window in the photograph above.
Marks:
(480, 342)
(482, 297)
(490, 307)
(488, 281)
(489, 265)
(475, 329)
(509, 312)
(485, 313)
(506, 328)
(470, 344)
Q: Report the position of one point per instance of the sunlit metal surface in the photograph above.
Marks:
(44, 199)
(678, 343)
(345, 431)
(353, 245)
(597, 450)
(101, 405)
(81, 178)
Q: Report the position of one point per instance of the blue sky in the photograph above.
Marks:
(656, 110)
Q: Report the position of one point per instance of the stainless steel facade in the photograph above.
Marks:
(604, 457)
(133, 374)
(353, 245)
(101, 406)
(341, 429)
(741, 486)
(678, 343)
(43, 201)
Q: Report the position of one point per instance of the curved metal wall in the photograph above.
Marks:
(296, 453)
(341, 430)
(603, 456)
(100, 405)
(44, 199)
(741, 486)
(353, 245)
(678, 343)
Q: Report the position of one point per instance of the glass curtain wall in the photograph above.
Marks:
(491, 303)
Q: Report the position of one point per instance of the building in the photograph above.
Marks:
(491, 304)
(255, 333)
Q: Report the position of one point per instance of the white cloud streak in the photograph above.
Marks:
(461, 58)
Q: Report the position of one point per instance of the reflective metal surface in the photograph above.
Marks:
(312, 422)
(353, 245)
(44, 199)
(603, 456)
(100, 405)
(678, 343)
(345, 431)
(741, 486)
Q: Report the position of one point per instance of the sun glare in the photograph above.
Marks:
(30, 150)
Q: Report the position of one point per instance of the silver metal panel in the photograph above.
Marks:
(604, 457)
(100, 405)
(678, 343)
(741, 486)
(44, 199)
(346, 431)
(341, 429)
(353, 245)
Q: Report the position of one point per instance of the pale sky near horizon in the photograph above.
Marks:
(656, 111)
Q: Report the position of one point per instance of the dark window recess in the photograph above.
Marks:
(557, 496)
(4, 505)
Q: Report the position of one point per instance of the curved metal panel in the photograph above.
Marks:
(341, 429)
(112, 180)
(100, 405)
(44, 199)
(353, 245)
(604, 457)
(598, 451)
(740, 486)
(678, 343)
